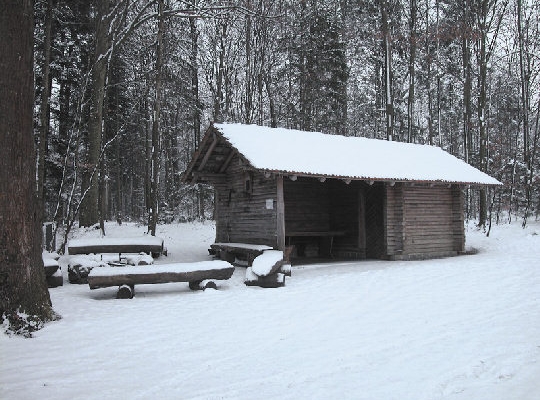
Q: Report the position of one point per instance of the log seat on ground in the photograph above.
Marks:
(269, 269)
(146, 244)
(232, 252)
(198, 275)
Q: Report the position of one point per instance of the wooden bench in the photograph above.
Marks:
(142, 244)
(326, 240)
(196, 274)
(231, 251)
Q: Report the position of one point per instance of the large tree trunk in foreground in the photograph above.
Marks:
(23, 289)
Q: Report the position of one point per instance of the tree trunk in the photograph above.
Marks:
(482, 121)
(218, 99)
(412, 59)
(489, 19)
(525, 78)
(271, 102)
(154, 195)
(23, 289)
(89, 212)
(194, 36)
(467, 88)
(248, 103)
(44, 112)
(467, 83)
(387, 51)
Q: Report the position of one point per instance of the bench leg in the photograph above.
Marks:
(125, 292)
(202, 285)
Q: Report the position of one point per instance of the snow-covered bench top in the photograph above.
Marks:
(147, 244)
(161, 269)
(245, 246)
(232, 252)
(146, 274)
(263, 264)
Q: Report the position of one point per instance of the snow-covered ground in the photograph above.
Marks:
(459, 328)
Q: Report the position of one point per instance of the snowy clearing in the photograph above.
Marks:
(459, 328)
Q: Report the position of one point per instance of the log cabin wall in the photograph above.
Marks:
(393, 220)
(246, 207)
(458, 222)
(431, 221)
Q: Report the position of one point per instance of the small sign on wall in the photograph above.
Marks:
(269, 204)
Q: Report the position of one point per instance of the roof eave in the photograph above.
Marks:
(371, 179)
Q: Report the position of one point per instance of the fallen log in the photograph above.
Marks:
(198, 275)
(230, 252)
(147, 244)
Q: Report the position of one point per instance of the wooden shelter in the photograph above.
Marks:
(332, 195)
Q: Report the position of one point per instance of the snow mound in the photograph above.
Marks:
(263, 264)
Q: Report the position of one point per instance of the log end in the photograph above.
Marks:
(125, 292)
(202, 285)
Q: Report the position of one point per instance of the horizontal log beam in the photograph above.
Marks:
(154, 274)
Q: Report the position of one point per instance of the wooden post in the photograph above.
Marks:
(458, 218)
(280, 214)
(361, 220)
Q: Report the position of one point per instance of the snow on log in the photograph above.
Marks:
(250, 276)
(202, 285)
(80, 266)
(146, 244)
(149, 274)
(245, 246)
(50, 265)
(286, 269)
(50, 255)
(239, 253)
(125, 292)
(267, 263)
(139, 259)
(270, 281)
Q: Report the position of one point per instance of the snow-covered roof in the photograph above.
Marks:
(317, 154)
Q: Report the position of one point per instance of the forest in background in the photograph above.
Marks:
(125, 89)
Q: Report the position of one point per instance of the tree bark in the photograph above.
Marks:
(489, 17)
(412, 59)
(156, 145)
(89, 212)
(23, 289)
(44, 112)
(387, 51)
(467, 82)
(194, 36)
(525, 79)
